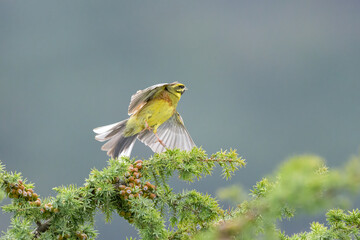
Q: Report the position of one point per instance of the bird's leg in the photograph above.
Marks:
(147, 126)
(161, 142)
(150, 129)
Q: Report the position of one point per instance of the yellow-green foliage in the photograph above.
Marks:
(303, 183)
(124, 187)
(139, 191)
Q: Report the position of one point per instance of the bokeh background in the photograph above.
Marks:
(269, 78)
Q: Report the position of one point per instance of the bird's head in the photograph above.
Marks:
(176, 88)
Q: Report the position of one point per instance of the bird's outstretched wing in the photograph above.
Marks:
(172, 133)
(141, 97)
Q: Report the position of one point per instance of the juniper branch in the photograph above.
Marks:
(119, 187)
(125, 187)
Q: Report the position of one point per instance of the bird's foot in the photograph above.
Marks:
(161, 142)
(150, 129)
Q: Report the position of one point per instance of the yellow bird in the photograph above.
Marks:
(153, 120)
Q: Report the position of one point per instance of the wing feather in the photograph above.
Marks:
(141, 97)
(172, 133)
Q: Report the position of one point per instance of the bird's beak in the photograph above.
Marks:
(186, 89)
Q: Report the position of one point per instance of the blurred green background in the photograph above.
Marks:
(269, 78)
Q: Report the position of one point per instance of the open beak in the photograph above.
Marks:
(184, 90)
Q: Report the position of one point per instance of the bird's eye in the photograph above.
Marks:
(181, 86)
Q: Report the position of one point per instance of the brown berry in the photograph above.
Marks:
(138, 161)
(139, 166)
(136, 195)
(83, 236)
(131, 185)
(152, 195)
(122, 187)
(20, 182)
(137, 181)
(131, 179)
(136, 170)
(137, 175)
(145, 188)
(35, 196)
(122, 213)
(122, 193)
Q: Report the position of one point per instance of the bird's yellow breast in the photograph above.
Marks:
(155, 112)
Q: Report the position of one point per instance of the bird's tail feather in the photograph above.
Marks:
(117, 144)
